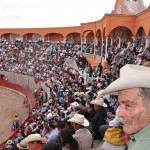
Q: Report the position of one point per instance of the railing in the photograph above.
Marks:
(87, 55)
(97, 57)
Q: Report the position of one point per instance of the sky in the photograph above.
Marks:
(53, 13)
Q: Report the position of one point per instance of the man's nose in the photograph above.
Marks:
(122, 112)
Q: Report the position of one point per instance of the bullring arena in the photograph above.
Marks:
(61, 65)
(11, 104)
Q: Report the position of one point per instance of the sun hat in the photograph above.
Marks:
(147, 64)
(76, 93)
(50, 101)
(100, 93)
(81, 94)
(74, 104)
(99, 101)
(22, 146)
(54, 114)
(131, 76)
(140, 54)
(9, 142)
(61, 107)
(65, 111)
(32, 138)
(16, 118)
(79, 119)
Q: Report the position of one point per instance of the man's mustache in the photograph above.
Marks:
(124, 120)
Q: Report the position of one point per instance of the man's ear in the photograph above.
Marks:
(147, 110)
(148, 106)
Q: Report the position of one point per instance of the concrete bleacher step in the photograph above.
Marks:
(98, 145)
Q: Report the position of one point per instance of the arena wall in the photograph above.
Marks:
(22, 80)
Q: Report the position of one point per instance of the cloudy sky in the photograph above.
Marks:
(52, 13)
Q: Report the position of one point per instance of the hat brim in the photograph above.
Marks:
(137, 80)
(21, 147)
(85, 123)
(65, 111)
(95, 102)
(76, 93)
(9, 142)
(82, 95)
(99, 101)
(32, 138)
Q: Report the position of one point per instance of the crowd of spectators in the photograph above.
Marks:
(68, 94)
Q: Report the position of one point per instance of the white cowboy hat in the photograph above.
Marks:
(76, 93)
(65, 111)
(100, 93)
(131, 76)
(9, 142)
(99, 101)
(81, 94)
(147, 64)
(50, 101)
(22, 146)
(32, 138)
(61, 107)
(54, 114)
(79, 119)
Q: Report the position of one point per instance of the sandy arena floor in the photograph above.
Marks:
(11, 104)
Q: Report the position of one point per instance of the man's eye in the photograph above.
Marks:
(127, 105)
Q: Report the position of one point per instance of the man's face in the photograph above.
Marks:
(133, 113)
(81, 106)
(97, 108)
(76, 126)
(32, 145)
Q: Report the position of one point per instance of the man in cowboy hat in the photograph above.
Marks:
(133, 89)
(9, 144)
(100, 116)
(21, 146)
(82, 134)
(34, 142)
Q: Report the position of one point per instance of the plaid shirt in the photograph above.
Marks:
(84, 138)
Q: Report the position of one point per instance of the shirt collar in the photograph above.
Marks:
(139, 134)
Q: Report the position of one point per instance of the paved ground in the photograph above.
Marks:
(11, 104)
